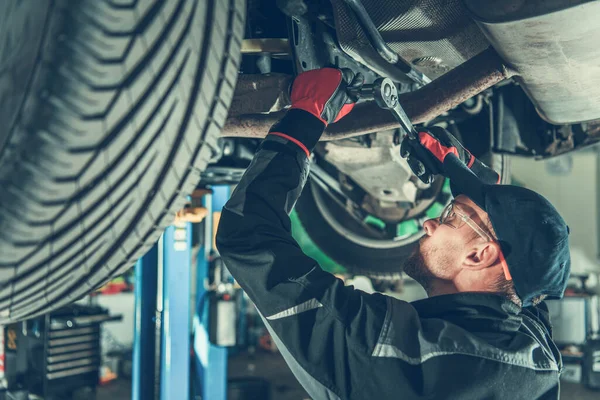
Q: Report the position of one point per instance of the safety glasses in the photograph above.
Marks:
(454, 218)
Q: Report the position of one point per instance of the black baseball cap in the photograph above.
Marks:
(533, 237)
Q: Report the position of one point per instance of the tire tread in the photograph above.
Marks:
(125, 109)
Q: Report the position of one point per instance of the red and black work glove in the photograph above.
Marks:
(426, 153)
(319, 98)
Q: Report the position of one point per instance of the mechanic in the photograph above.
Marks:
(487, 264)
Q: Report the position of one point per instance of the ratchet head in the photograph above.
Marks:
(385, 94)
(383, 91)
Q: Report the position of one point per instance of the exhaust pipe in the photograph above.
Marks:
(463, 82)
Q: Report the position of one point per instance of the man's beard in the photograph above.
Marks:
(416, 267)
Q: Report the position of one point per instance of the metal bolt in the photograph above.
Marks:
(387, 90)
(227, 148)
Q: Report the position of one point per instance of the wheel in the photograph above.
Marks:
(110, 111)
(354, 245)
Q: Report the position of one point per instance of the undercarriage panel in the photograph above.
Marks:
(433, 36)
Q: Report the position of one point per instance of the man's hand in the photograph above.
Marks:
(319, 98)
(322, 92)
(426, 155)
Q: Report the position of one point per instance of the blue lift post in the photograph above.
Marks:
(162, 310)
(144, 331)
(175, 338)
(210, 360)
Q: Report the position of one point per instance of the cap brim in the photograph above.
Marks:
(464, 181)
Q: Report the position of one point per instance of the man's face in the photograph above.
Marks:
(441, 252)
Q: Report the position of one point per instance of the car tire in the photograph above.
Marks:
(109, 112)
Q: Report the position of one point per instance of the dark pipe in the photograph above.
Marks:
(371, 31)
(380, 45)
(463, 82)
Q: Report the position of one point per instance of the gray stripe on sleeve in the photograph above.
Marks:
(313, 387)
(300, 308)
(388, 350)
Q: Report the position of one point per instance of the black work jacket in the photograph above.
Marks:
(342, 343)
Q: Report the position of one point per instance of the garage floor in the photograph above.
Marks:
(272, 367)
(115, 390)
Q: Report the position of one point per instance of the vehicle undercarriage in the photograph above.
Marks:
(494, 75)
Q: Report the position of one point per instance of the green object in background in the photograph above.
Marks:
(404, 229)
(407, 228)
(446, 186)
(375, 222)
(311, 249)
(435, 210)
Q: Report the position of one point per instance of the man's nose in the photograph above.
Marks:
(430, 226)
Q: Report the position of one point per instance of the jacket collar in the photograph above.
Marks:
(476, 312)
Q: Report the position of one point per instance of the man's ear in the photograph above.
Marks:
(482, 255)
